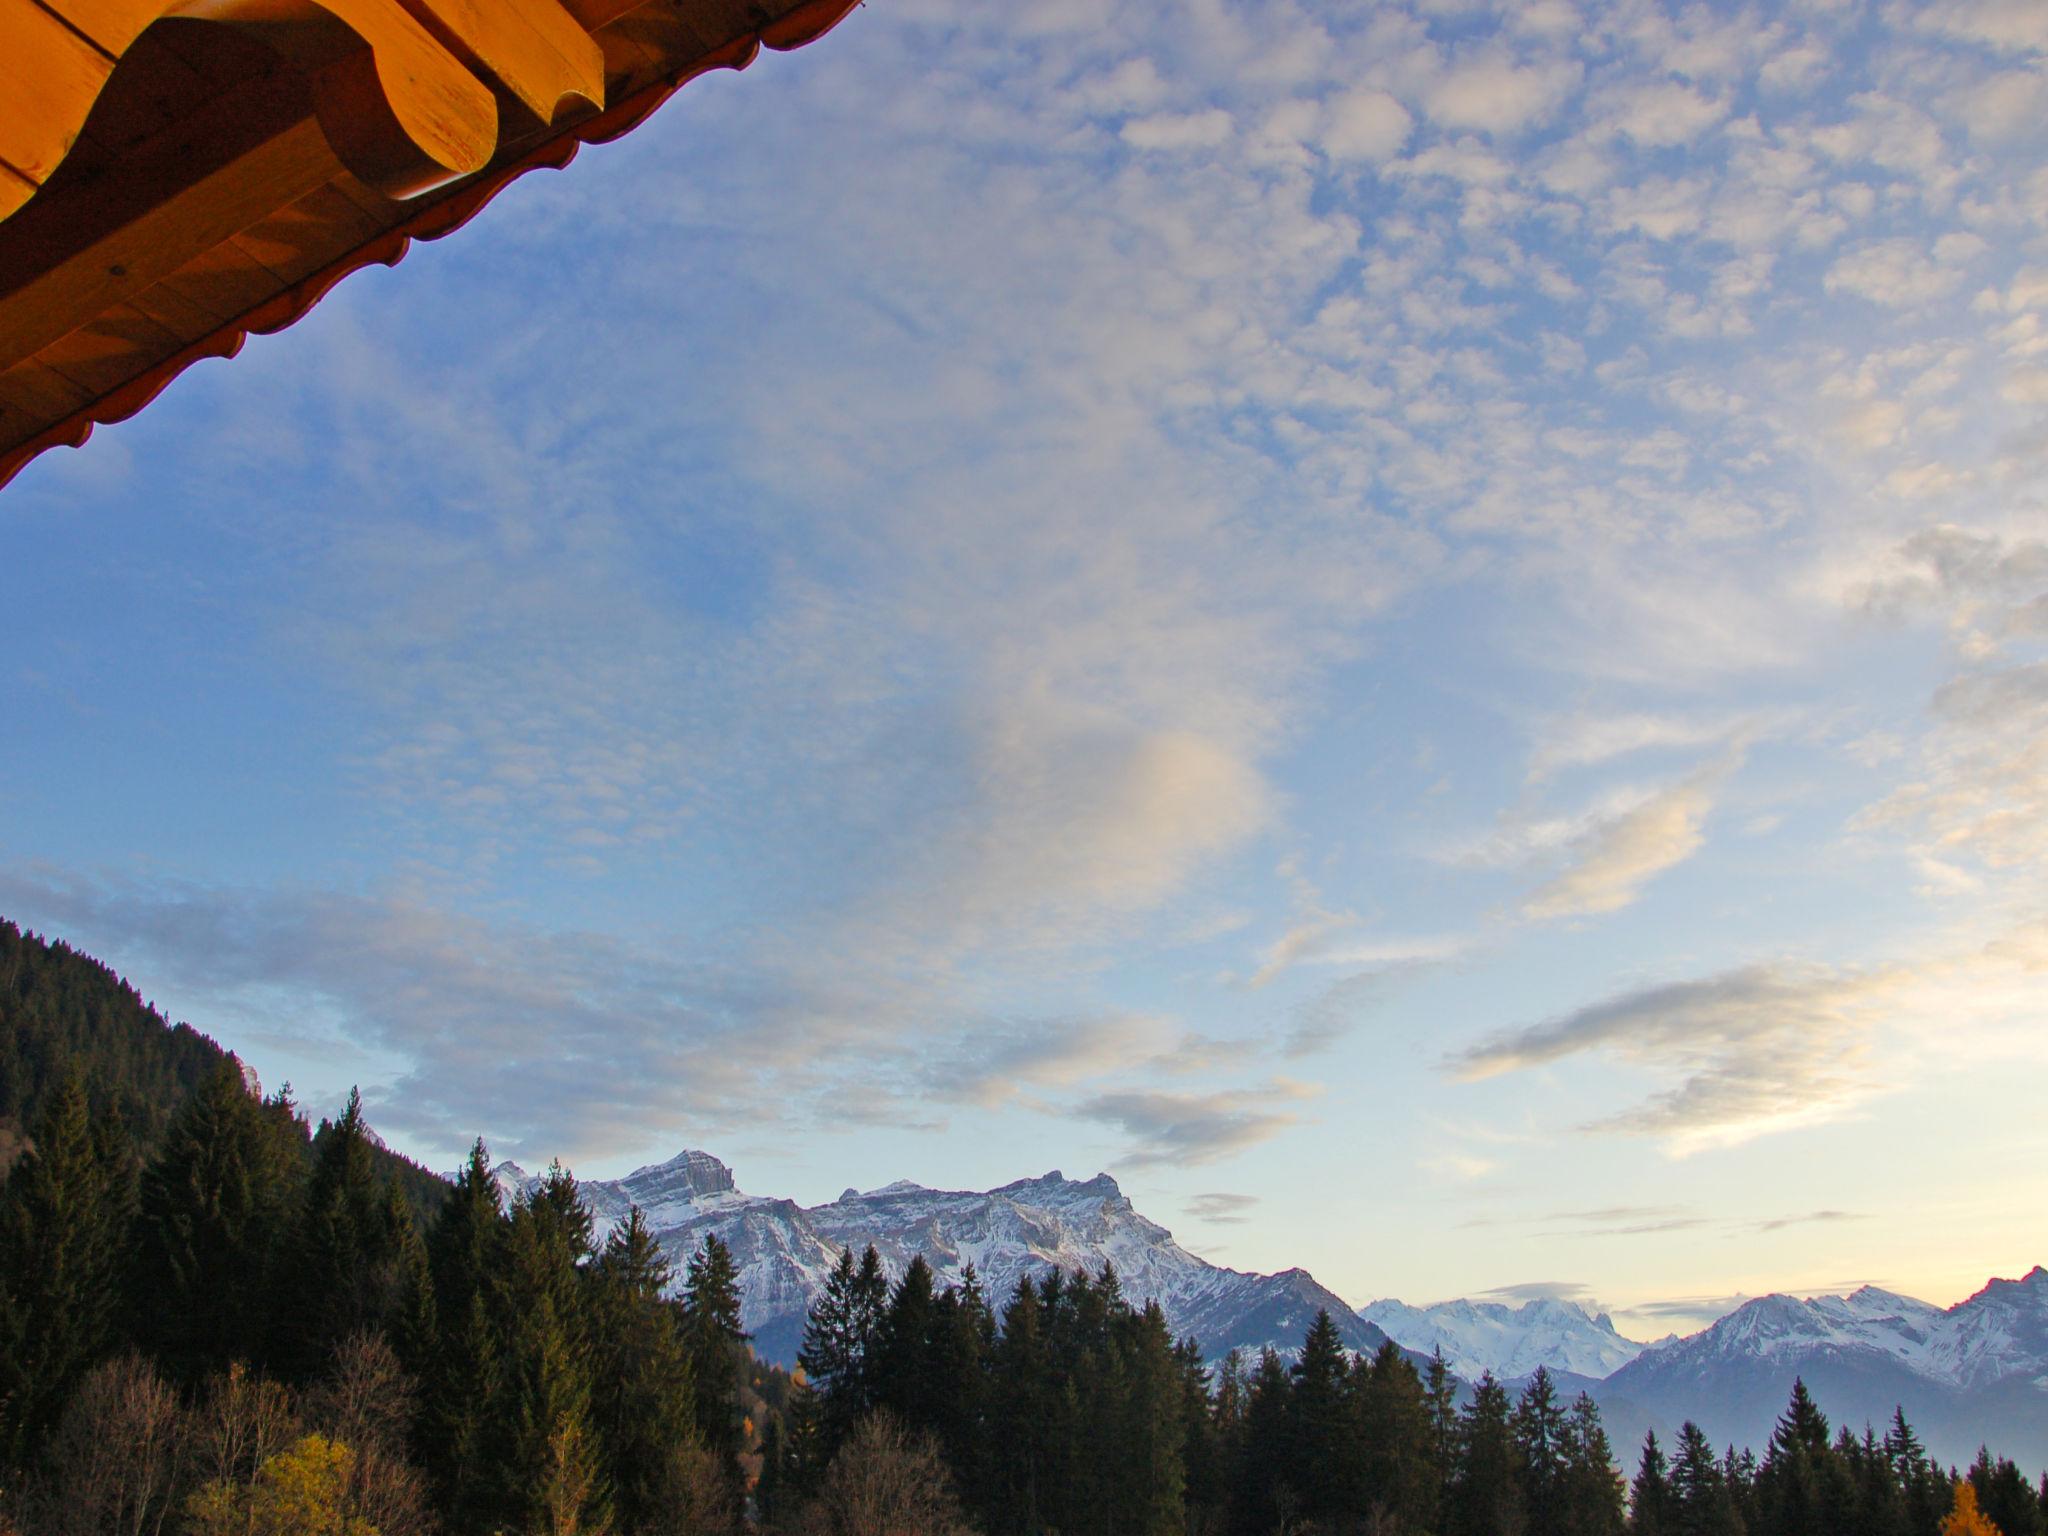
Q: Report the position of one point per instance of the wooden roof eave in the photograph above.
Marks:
(55, 389)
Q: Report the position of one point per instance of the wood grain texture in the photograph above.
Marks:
(206, 204)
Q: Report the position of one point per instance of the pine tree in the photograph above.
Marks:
(1020, 1457)
(1138, 1448)
(349, 1257)
(1401, 1479)
(963, 1341)
(464, 1254)
(216, 1206)
(644, 1398)
(1267, 1496)
(1796, 1486)
(716, 1345)
(1203, 1431)
(2005, 1496)
(547, 1464)
(1440, 1393)
(1538, 1430)
(1698, 1489)
(1486, 1496)
(905, 1377)
(1802, 1426)
(1923, 1492)
(63, 1214)
(1879, 1509)
(833, 1358)
(1650, 1498)
(1322, 1461)
(1591, 1489)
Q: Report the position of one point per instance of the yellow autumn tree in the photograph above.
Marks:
(301, 1491)
(1965, 1519)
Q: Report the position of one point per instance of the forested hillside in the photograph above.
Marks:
(216, 1323)
(63, 1012)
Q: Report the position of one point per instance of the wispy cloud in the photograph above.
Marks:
(1809, 1219)
(1623, 1221)
(994, 1063)
(1188, 1129)
(1773, 1047)
(1754, 1049)
(1611, 864)
(1219, 1209)
(1540, 1290)
(1690, 1310)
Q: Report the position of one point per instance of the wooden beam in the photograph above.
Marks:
(534, 48)
(49, 78)
(15, 189)
(102, 243)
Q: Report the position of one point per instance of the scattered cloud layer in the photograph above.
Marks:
(1775, 1047)
(1027, 468)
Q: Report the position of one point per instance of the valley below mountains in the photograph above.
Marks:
(1975, 1373)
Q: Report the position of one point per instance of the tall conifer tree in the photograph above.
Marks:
(63, 1214)
(717, 1345)
(644, 1402)
(217, 1204)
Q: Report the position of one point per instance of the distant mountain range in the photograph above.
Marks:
(1511, 1342)
(785, 1251)
(1974, 1373)
(1971, 1374)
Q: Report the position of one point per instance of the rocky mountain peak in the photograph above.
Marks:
(697, 1172)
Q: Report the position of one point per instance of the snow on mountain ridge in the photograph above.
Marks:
(2000, 1331)
(1509, 1341)
(785, 1251)
(1970, 1374)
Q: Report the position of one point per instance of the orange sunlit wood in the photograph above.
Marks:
(177, 174)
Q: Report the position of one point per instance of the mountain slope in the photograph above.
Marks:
(1511, 1342)
(785, 1251)
(61, 1010)
(1974, 1372)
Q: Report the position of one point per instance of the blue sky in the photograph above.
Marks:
(1432, 616)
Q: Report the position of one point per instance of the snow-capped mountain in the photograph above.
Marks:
(785, 1251)
(1972, 1373)
(1511, 1342)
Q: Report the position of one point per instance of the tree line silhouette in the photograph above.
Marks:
(219, 1320)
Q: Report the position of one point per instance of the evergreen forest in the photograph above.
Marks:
(217, 1318)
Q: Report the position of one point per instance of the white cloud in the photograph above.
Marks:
(1754, 1050)
(2004, 107)
(1583, 740)
(1777, 1046)
(1658, 114)
(1661, 207)
(1898, 273)
(1497, 94)
(994, 1063)
(1615, 859)
(1189, 1129)
(2014, 24)
(1179, 130)
(1366, 125)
